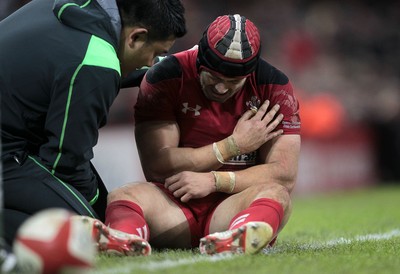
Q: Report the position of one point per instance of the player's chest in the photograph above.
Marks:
(197, 114)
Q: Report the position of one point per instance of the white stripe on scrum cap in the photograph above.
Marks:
(235, 48)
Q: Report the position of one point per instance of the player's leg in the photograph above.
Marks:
(146, 210)
(29, 188)
(14, 219)
(51, 195)
(24, 199)
(247, 221)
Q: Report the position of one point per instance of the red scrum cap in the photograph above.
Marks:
(230, 46)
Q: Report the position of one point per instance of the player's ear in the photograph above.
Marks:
(137, 37)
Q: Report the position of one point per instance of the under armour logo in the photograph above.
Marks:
(195, 110)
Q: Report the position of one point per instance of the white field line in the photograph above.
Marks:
(129, 267)
(342, 241)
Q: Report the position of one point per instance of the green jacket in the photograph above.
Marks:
(59, 74)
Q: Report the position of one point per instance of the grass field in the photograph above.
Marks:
(349, 232)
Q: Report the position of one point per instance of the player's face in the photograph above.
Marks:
(218, 88)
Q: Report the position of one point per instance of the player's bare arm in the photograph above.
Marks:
(161, 157)
(279, 166)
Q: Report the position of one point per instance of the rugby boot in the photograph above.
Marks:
(112, 241)
(247, 239)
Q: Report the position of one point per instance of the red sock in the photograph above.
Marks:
(261, 210)
(128, 217)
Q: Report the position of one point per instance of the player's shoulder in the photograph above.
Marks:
(168, 68)
(268, 74)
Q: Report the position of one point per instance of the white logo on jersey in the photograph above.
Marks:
(143, 232)
(186, 108)
(239, 220)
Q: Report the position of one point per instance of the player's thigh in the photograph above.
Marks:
(228, 208)
(167, 222)
(12, 220)
(29, 188)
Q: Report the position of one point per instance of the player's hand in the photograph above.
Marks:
(254, 129)
(189, 185)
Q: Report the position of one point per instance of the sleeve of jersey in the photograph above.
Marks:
(289, 107)
(158, 92)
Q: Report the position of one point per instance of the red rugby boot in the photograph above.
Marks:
(248, 239)
(113, 241)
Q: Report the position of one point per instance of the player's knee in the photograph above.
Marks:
(130, 192)
(275, 192)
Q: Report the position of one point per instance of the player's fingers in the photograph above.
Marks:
(274, 134)
(174, 187)
(271, 114)
(271, 126)
(259, 114)
(186, 198)
(248, 114)
(171, 181)
(178, 193)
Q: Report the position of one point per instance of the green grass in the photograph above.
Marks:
(349, 232)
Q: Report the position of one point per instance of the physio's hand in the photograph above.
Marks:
(189, 185)
(254, 129)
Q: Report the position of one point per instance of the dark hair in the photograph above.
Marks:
(162, 18)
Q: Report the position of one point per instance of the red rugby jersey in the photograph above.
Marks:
(171, 91)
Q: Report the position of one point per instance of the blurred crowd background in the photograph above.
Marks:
(343, 58)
